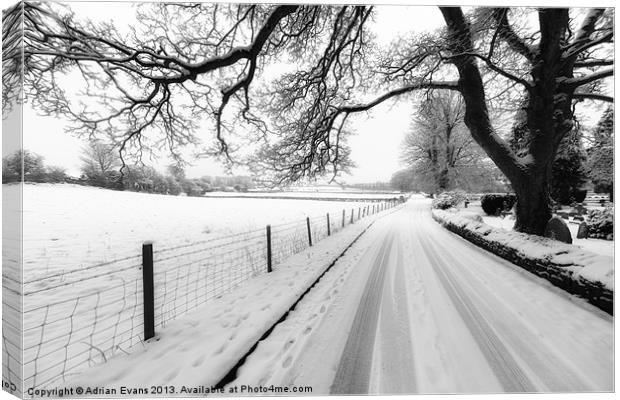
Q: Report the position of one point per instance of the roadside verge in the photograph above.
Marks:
(579, 272)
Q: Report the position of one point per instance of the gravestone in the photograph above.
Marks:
(584, 231)
(558, 230)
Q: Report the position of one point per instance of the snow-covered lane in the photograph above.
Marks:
(423, 311)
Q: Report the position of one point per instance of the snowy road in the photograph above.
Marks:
(412, 308)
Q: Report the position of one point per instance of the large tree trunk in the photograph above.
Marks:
(443, 179)
(533, 209)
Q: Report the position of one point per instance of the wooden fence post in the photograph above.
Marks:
(359, 211)
(309, 232)
(343, 217)
(352, 215)
(329, 229)
(268, 248)
(148, 290)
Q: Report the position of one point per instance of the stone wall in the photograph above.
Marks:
(559, 275)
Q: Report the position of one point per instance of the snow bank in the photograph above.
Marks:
(577, 271)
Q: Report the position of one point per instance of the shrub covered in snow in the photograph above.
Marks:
(449, 199)
(601, 223)
(493, 203)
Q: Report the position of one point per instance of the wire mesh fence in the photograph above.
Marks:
(84, 316)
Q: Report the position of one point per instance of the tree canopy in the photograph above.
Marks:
(153, 85)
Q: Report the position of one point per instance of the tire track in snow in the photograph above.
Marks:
(393, 364)
(354, 370)
(507, 370)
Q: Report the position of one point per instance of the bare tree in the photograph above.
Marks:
(438, 146)
(100, 164)
(187, 62)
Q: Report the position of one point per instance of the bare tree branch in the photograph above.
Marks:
(584, 80)
(593, 96)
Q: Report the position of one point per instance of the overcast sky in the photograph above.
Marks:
(378, 134)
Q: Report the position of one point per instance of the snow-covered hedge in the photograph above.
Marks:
(569, 267)
(449, 199)
(601, 223)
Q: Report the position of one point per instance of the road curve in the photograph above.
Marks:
(439, 315)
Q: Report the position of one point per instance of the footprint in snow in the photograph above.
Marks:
(197, 362)
(322, 309)
(171, 376)
(287, 362)
(289, 344)
(220, 350)
(307, 330)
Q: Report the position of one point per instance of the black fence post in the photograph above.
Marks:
(148, 290)
(352, 215)
(359, 212)
(309, 232)
(343, 217)
(329, 229)
(268, 248)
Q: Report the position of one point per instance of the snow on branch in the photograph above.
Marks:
(584, 80)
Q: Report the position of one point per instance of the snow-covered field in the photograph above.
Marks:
(82, 262)
(69, 226)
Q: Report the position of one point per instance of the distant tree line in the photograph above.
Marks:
(371, 186)
(101, 167)
(32, 167)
